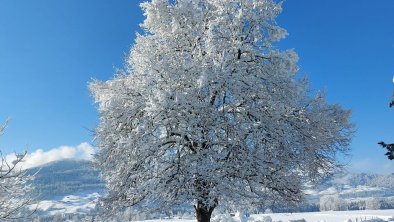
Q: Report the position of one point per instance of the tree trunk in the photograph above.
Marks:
(203, 209)
(203, 214)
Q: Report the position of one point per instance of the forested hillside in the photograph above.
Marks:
(66, 177)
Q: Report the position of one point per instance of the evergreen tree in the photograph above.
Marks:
(389, 147)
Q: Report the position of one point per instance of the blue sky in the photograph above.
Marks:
(50, 50)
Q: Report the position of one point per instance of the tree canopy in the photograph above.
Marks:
(208, 111)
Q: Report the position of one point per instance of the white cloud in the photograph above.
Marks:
(86, 151)
(39, 157)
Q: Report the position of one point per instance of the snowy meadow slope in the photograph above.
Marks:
(66, 187)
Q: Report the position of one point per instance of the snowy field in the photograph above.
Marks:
(334, 216)
(68, 204)
(330, 216)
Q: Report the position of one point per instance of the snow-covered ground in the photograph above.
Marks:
(330, 216)
(333, 216)
(68, 204)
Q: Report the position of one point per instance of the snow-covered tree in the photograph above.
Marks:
(330, 202)
(208, 111)
(14, 187)
(372, 203)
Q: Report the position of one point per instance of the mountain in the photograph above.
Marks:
(66, 189)
(361, 185)
(65, 177)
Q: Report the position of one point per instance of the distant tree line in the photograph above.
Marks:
(335, 203)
